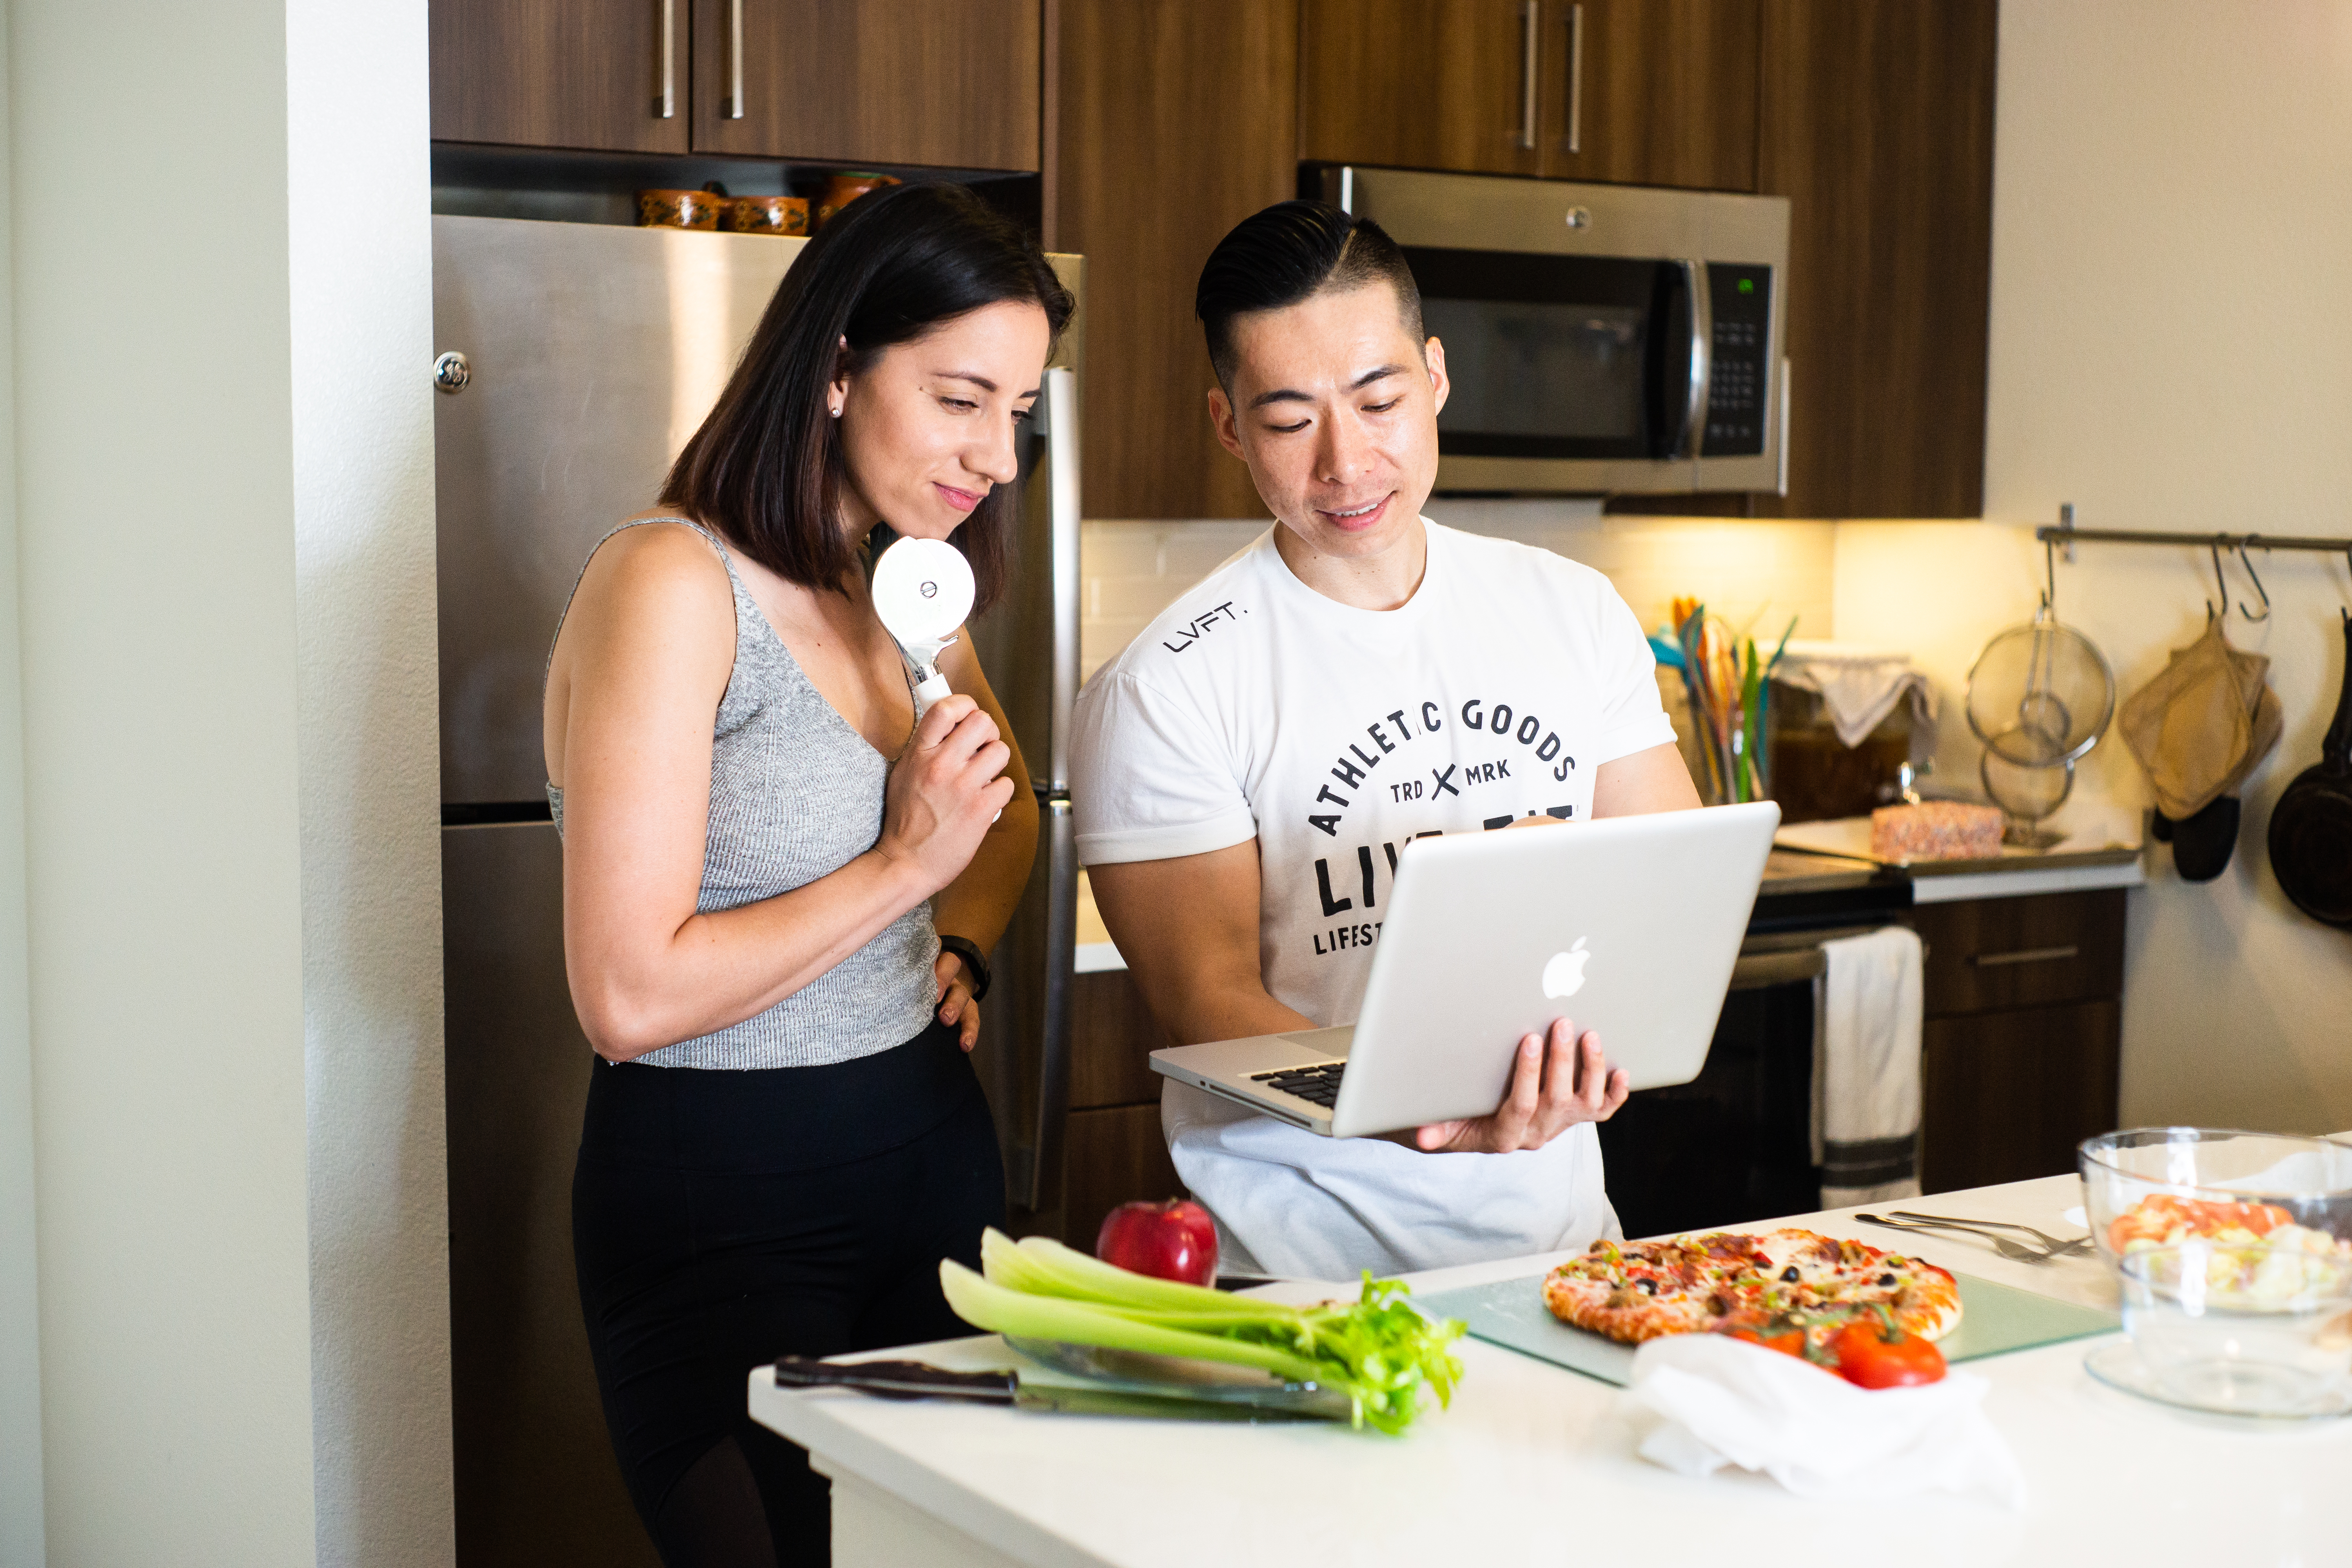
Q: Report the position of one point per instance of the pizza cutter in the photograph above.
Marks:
(922, 593)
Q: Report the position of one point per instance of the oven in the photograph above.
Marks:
(1600, 339)
(1736, 1141)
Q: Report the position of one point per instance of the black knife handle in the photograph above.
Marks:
(899, 1379)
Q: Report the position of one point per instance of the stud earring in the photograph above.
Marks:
(837, 411)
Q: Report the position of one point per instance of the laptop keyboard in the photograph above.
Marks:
(1319, 1083)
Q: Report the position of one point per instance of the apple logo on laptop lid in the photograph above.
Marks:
(1564, 974)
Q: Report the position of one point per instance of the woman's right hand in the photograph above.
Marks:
(945, 790)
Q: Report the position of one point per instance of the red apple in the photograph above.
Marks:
(1172, 1240)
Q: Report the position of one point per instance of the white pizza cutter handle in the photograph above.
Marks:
(930, 690)
(929, 693)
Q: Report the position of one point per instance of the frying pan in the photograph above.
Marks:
(2311, 831)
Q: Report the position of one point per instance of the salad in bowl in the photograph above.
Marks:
(2272, 1202)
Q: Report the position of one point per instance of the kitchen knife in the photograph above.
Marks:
(919, 1380)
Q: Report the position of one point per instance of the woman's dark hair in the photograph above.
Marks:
(1288, 252)
(766, 468)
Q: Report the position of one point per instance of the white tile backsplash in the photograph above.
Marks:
(1755, 572)
(1129, 572)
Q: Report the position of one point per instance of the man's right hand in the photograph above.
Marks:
(1556, 1081)
(945, 789)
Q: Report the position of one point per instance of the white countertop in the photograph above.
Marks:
(1534, 1463)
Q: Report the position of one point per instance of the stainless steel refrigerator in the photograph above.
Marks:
(577, 359)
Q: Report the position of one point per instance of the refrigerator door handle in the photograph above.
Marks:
(1059, 397)
(1044, 1163)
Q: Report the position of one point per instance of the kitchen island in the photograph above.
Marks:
(1536, 1464)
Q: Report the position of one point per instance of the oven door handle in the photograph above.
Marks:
(1691, 442)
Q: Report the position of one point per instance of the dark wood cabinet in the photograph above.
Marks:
(587, 74)
(927, 83)
(939, 84)
(2022, 1051)
(2009, 1094)
(1658, 92)
(1177, 118)
(1109, 1156)
(1112, 1150)
(1877, 122)
(1652, 92)
(1422, 84)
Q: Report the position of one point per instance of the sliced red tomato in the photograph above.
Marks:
(1875, 1355)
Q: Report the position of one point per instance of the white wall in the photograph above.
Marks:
(155, 509)
(359, 188)
(224, 507)
(20, 1343)
(2171, 349)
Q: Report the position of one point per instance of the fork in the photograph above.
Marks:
(2015, 1251)
(2058, 1248)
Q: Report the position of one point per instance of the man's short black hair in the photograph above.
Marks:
(1290, 252)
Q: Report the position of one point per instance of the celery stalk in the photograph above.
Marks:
(1378, 1349)
(1006, 1312)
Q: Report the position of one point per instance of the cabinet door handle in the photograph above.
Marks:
(666, 106)
(1576, 78)
(734, 105)
(1529, 43)
(2024, 955)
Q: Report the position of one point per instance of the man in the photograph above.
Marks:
(1248, 772)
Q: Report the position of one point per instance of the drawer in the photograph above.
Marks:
(2027, 952)
(1112, 1036)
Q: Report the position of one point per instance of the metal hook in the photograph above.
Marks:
(2219, 580)
(2050, 576)
(2247, 562)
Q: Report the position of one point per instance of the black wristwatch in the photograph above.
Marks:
(974, 965)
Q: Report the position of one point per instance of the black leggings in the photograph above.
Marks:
(722, 1219)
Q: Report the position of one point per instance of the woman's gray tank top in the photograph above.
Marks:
(795, 794)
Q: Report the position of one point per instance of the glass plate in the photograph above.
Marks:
(1132, 1372)
(2118, 1366)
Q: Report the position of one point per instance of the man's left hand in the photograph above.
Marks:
(1556, 1081)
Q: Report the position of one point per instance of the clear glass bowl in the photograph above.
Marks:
(2243, 1330)
(2149, 1185)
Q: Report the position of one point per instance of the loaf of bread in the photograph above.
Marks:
(1936, 830)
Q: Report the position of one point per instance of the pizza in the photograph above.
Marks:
(1637, 1291)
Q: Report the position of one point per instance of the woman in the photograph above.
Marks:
(784, 1137)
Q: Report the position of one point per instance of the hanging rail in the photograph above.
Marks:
(2061, 535)
(2065, 532)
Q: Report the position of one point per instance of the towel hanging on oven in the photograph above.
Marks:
(1867, 1009)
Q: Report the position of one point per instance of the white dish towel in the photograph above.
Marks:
(1866, 1016)
(1860, 686)
(1707, 1401)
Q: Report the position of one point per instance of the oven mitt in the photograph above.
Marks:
(2203, 841)
(2193, 725)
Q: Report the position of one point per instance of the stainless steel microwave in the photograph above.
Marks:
(1600, 339)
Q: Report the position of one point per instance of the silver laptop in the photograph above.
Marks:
(1628, 925)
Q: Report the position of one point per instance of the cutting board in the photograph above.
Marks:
(1994, 1319)
(2095, 841)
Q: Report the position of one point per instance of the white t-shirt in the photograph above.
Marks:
(1256, 708)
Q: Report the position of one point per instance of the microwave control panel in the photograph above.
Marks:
(1742, 299)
